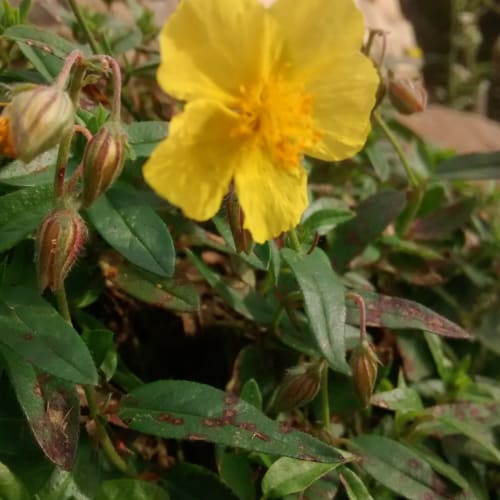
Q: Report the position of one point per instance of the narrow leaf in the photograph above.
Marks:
(324, 303)
(165, 293)
(399, 468)
(21, 212)
(36, 332)
(192, 411)
(134, 229)
(287, 476)
(372, 216)
(143, 137)
(51, 407)
(354, 486)
(479, 166)
(397, 313)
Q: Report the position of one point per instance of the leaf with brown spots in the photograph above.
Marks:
(399, 468)
(51, 407)
(397, 313)
(210, 414)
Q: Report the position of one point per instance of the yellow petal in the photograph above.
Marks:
(210, 48)
(273, 197)
(193, 166)
(317, 30)
(344, 96)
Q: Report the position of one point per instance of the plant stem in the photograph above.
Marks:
(360, 302)
(102, 435)
(83, 24)
(62, 303)
(325, 400)
(412, 177)
(65, 144)
(117, 88)
(294, 240)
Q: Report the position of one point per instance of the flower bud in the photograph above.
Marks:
(364, 363)
(407, 95)
(103, 160)
(299, 387)
(59, 241)
(242, 238)
(38, 118)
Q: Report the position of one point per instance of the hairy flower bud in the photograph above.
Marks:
(407, 95)
(38, 118)
(103, 160)
(364, 364)
(59, 241)
(299, 387)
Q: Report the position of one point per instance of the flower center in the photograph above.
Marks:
(279, 116)
(6, 144)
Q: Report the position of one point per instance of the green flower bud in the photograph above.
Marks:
(299, 387)
(103, 160)
(407, 95)
(59, 241)
(364, 365)
(38, 118)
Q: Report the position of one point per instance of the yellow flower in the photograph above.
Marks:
(263, 87)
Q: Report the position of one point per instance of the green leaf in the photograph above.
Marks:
(236, 471)
(399, 468)
(478, 166)
(397, 313)
(192, 411)
(101, 344)
(134, 229)
(442, 467)
(147, 287)
(51, 407)
(354, 486)
(45, 50)
(324, 303)
(10, 487)
(440, 223)
(372, 216)
(488, 331)
(191, 482)
(36, 332)
(133, 489)
(37, 172)
(324, 220)
(21, 212)
(287, 476)
(378, 160)
(401, 398)
(257, 310)
(487, 414)
(143, 137)
(81, 482)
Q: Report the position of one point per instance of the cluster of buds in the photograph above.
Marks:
(59, 241)
(34, 121)
(299, 387)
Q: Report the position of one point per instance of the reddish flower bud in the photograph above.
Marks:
(299, 387)
(103, 160)
(364, 364)
(38, 118)
(407, 95)
(59, 241)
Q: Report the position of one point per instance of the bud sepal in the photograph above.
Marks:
(103, 160)
(38, 119)
(364, 364)
(59, 242)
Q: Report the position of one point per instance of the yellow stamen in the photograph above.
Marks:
(6, 143)
(279, 116)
